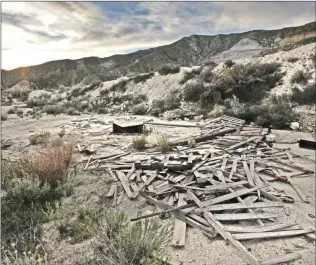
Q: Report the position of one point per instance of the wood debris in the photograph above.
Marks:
(222, 185)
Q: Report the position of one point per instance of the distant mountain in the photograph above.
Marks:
(188, 51)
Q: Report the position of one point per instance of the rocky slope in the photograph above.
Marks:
(188, 51)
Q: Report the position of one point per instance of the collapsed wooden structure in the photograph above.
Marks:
(220, 185)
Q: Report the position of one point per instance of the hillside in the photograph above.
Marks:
(188, 51)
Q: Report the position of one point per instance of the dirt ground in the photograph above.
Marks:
(198, 248)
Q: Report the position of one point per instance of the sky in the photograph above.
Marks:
(37, 32)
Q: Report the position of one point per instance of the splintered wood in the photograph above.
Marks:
(219, 186)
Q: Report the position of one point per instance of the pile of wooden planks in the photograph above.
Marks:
(220, 186)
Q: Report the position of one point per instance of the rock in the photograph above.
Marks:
(294, 125)
(310, 128)
(84, 124)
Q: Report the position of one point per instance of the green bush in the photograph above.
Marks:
(53, 109)
(229, 63)
(139, 109)
(300, 77)
(27, 196)
(165, 70)
(131, 244)
(210, 63)
(11, 111)
(188, 75)
(305, 96)
(83, 226)
(142, 78)
(292, 59)
(172, 101)
(252, 81)
(120, 86)
(276, 112)
(193, 90)
(4, 116)
(140, 98)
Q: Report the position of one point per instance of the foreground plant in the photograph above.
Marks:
(29, 184)
(120, 242)
(139, 142)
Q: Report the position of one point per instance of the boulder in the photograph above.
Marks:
(294, 125)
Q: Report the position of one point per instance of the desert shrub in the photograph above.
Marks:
(250, 82)
(120, 86)
(313, 58)
(188, 75)
(83, 226)
(292, 59)
(210, 63)
(140, 98)
(163, 144)
(157, 107)
(193, 90)
(142, 78)
(206, 76)
(172, 101)
(72, 111)
(76, 92)
(305, 96)
(53, 109)
(4, 116)
(139, 109)
(139, 142)
(19, 112)
(131, 244)
(165, 70)
(36, 102)
(229, 63)
(300, 77)
(29, 187)
(41, 138)
(276, 112)
(11, 111)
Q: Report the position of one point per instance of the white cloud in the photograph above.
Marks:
(35, 32)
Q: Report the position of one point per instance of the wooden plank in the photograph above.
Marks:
(251, 259)
(120, 198)
(281, 259)
(224, 164)
(297, 189)
(247, 236)
(221, 176)
(178, 239)
(85, 168)
(289, 155)
(228, 196)
(111, 191)
(225, 185)
(255, 229)
(247, 171)
(245, 216)
(125, 184)
(233, 206)
(234, 169)
(242, 143)
(114, 203)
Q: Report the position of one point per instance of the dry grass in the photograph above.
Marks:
(139, 142)
(163, 144)
(50, 165)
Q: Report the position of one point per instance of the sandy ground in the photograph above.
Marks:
(198, 249)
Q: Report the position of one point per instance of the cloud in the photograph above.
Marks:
(103, 28)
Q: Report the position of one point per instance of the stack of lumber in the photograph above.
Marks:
(220, 186)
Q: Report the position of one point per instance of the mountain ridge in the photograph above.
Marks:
(187, 51)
